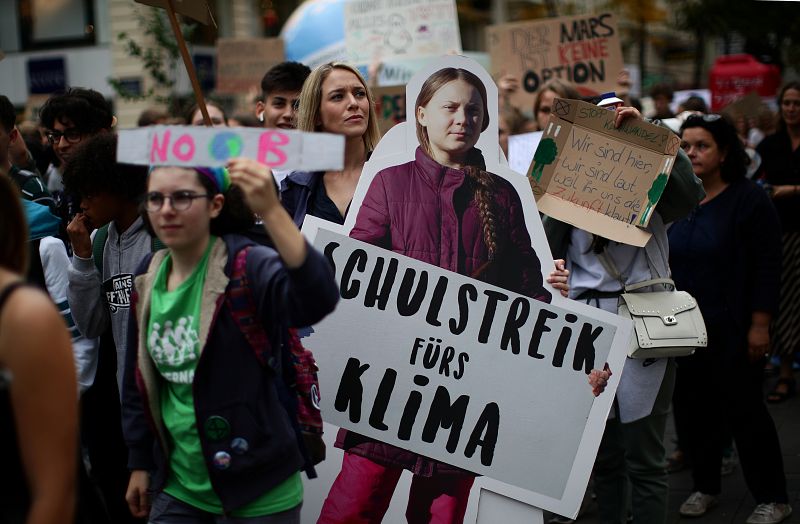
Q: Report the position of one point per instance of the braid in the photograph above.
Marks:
(484, 192)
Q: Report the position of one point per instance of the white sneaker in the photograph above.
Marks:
(697, 504)
(771, 513)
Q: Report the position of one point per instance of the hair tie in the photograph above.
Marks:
(218, 175)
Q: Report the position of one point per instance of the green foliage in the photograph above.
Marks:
(771, 27)
(158, 61)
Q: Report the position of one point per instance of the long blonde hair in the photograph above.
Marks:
(482, 182)
(311, 100)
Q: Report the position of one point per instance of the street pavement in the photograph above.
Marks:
(735, 502)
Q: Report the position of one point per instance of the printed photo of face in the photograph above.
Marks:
(453, 119)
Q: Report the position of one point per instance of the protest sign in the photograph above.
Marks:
(749, 106)
(194, 9)
(390, 106)
(598, 177)
(242, 62)
(380, 30)
(520, 150)
(420, 354)
(203, 146)
(584, 50)
(461, 370)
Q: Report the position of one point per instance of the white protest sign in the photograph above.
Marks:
(521, 149)
(385, 29)
(213, 146)
(420, 354)
(463, 369)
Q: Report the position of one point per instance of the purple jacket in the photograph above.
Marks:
(426, 211)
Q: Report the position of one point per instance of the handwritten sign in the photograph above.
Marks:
(194, 9)
(468, 373)
(242, 62)
(386, 29)
(583, 50)
(204, 146)
(520, 150)
(390, 106)
(603, 179)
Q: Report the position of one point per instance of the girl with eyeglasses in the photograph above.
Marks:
(203, 420)
(727, 255)
(780, 169)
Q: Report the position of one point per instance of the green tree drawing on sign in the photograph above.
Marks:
(544, 155)
(653, 195)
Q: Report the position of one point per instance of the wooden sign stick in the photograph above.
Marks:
(187, 61)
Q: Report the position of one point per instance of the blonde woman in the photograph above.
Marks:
(334, 99)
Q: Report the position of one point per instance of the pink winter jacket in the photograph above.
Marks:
(424, 210)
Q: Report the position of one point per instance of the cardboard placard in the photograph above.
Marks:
(600, 178)
(213, 146)
(385, 29)
(390, 106)
(451, 367)
(194, 9)
(748, 106)
(242, 62)
(584, 50)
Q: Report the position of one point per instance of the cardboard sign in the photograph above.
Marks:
(454, 368)
(385, 29)
(603, 179)
(206, 146)
(390, 106)
(521, 149)
(242, 62)
(194, 9)
(749, 106)
(583, 50)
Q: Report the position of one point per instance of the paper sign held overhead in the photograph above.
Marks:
(204, 146)
(194, 9)
(584, 50)
(385, 29)
(242, 62)
(603, 179)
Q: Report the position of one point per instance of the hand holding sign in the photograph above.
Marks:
(257, 184)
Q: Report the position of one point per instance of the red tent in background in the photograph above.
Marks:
(734, 76)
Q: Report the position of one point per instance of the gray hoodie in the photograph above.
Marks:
(95, 301)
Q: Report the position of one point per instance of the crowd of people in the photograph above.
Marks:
(118, 331)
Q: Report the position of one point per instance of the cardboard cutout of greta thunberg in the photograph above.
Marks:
(449, 355)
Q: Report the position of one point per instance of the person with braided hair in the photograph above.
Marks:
(446, 209)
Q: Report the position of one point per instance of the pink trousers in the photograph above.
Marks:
(362, 492)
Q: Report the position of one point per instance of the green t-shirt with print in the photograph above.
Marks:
(173, 344)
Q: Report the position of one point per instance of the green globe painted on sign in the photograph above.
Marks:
(225, 146)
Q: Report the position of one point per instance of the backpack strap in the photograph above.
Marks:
(98, 245)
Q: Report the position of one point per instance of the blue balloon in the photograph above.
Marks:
(315, 32)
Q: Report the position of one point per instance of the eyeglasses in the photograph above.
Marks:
(73, 135)
(179, 200)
